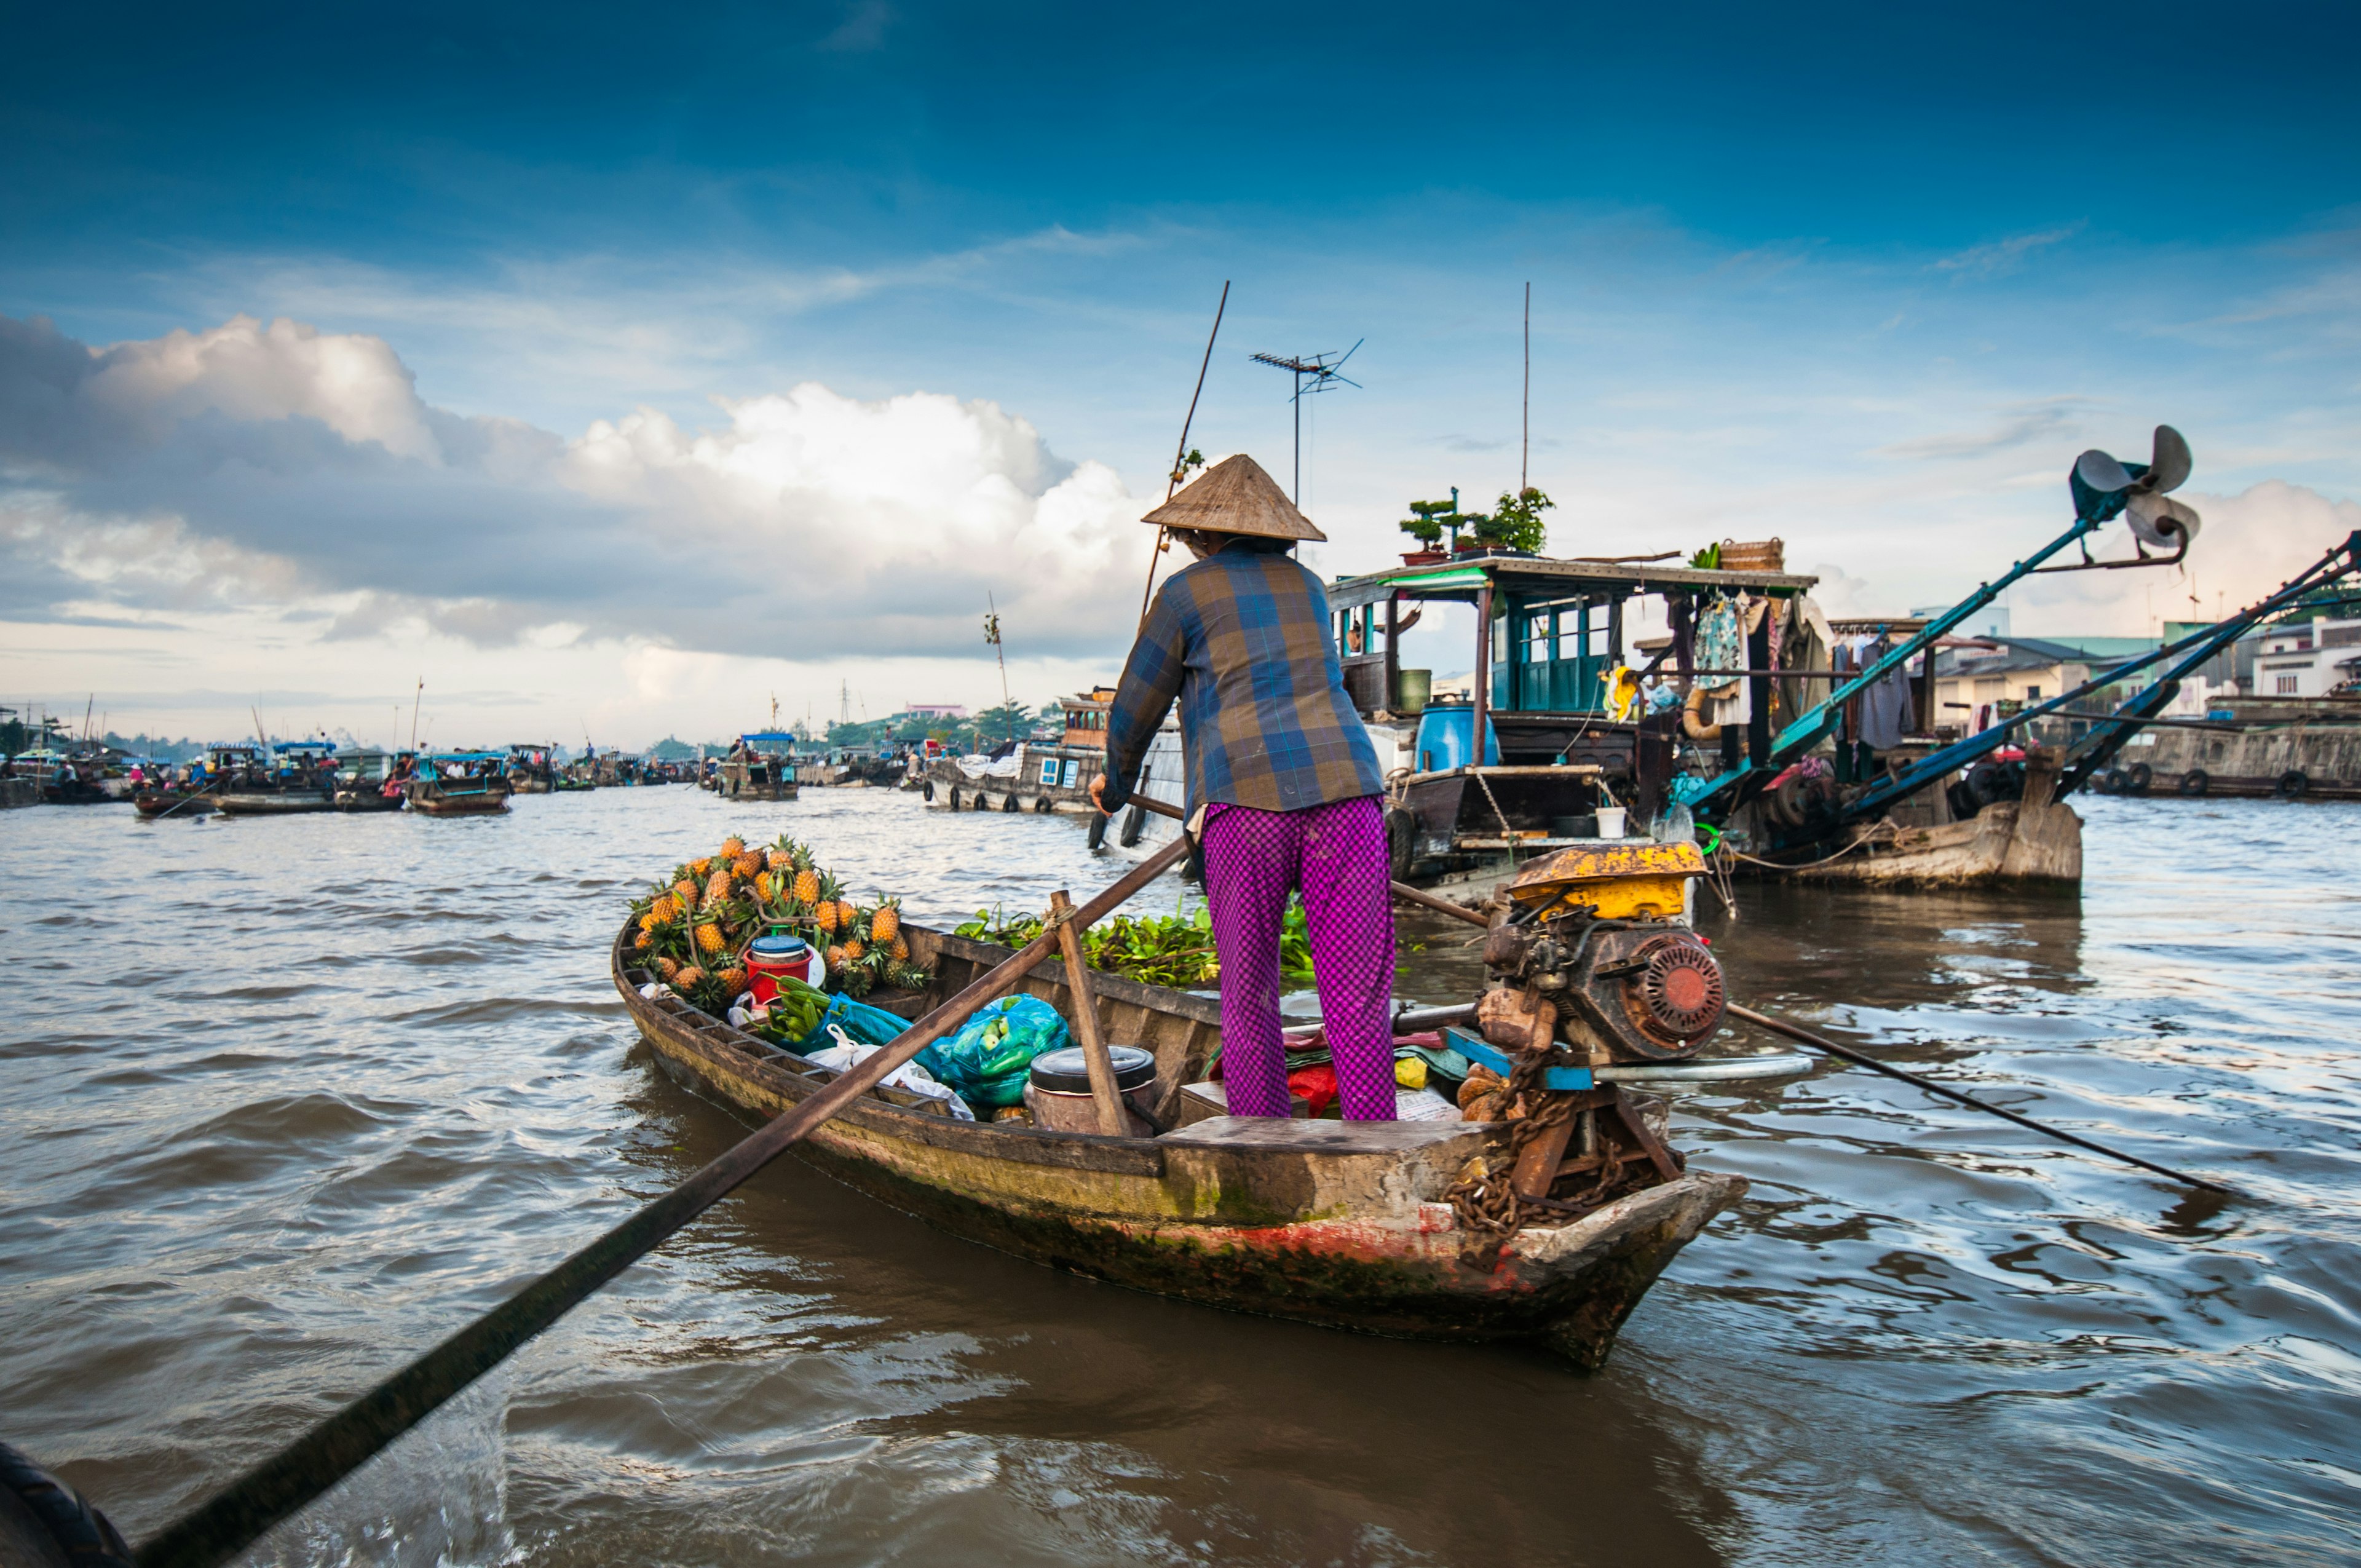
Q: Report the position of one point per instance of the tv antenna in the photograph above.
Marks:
(1326, 369)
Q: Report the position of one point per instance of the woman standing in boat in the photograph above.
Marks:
(1283, 787)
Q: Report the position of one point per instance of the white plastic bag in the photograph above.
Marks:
(1423, 1106)
(848, 1053)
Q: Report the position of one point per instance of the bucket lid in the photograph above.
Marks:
(777, 947)
(1069, 1071)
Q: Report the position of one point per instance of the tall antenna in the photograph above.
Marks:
(414, 712)
(1525, 441)
(844, 702)
(1324, 368)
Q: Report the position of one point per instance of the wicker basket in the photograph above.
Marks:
(1768, 556)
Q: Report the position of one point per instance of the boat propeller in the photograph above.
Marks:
(2105, 488)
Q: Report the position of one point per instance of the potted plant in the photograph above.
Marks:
(1422, 525)
(1515, 527)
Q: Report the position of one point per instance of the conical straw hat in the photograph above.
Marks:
(1235, 495)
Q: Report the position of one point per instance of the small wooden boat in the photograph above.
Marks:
(1341, 1224)
(153, 803)
(367, 796)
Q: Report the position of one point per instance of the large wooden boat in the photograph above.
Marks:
(1341, 1224)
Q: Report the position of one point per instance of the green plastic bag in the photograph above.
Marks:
(987, 1060)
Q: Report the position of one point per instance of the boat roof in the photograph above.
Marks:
(781, 737)
(1465, 578)
(467, 756)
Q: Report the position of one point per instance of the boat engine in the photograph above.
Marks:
(1597, 952)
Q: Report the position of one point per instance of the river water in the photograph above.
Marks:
(282, 1101)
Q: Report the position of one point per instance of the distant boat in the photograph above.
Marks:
(461, 783)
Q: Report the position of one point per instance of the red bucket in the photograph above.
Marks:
(770, 959)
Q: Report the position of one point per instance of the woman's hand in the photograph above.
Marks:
(1098, 794)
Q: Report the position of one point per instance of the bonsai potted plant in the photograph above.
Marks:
(1422, 525)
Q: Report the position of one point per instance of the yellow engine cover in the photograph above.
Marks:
(1634, 881)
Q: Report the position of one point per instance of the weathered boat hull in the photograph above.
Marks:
(1338, 1224)
(2011, 842)
(434, 801)
(364, 802)
(288, 804)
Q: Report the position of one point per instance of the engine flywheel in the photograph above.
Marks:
(1679, 993)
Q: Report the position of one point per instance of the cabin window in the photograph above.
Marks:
(1073, 772)
(2033, 693)
(1048, 770)
(2287, 686)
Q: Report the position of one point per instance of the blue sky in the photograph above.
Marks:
(1866, 278)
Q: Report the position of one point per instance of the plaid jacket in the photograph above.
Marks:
(1242, 638)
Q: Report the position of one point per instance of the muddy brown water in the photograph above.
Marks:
(284, 1101)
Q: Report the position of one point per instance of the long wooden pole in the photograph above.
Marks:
(1181, 453)
(231, 1521)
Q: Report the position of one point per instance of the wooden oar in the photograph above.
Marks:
(231, 1521)
(1860, 1058)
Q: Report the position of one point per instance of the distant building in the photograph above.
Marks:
(2305, 658)
(1086, 716)
(933, 711)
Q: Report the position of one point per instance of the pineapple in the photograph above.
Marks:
(684, 891)
(854, 950)
(744, 866)
(824, 916)
(733, 981)
(698, 868)
(667, 968)
(648, 923)
(718, 890)
(835, 958)
(647, 939)
(709, 936)
(688, 979)
(808, 886)
(900, 949)
(666, 909)
(762, 886)
(886, 922)
(779, 860)
(732, 847)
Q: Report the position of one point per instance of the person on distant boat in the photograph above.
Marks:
(1283, 788)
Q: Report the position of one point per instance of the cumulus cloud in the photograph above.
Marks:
(275, 464)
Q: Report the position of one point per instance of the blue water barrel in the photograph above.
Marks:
(1447, 739)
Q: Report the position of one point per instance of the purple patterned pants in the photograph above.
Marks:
(1336, 855)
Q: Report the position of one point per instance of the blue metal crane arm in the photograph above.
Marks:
(2087, 756)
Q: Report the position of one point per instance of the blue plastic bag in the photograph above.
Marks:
(863, 1024)
(988, 1059)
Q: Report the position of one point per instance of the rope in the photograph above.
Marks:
(1882, 834)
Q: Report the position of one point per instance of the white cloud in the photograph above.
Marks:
(282, 466)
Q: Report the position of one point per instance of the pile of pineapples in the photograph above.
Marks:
(695, 924)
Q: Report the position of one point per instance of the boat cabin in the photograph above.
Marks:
(1566, 731)
(1087, 718)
